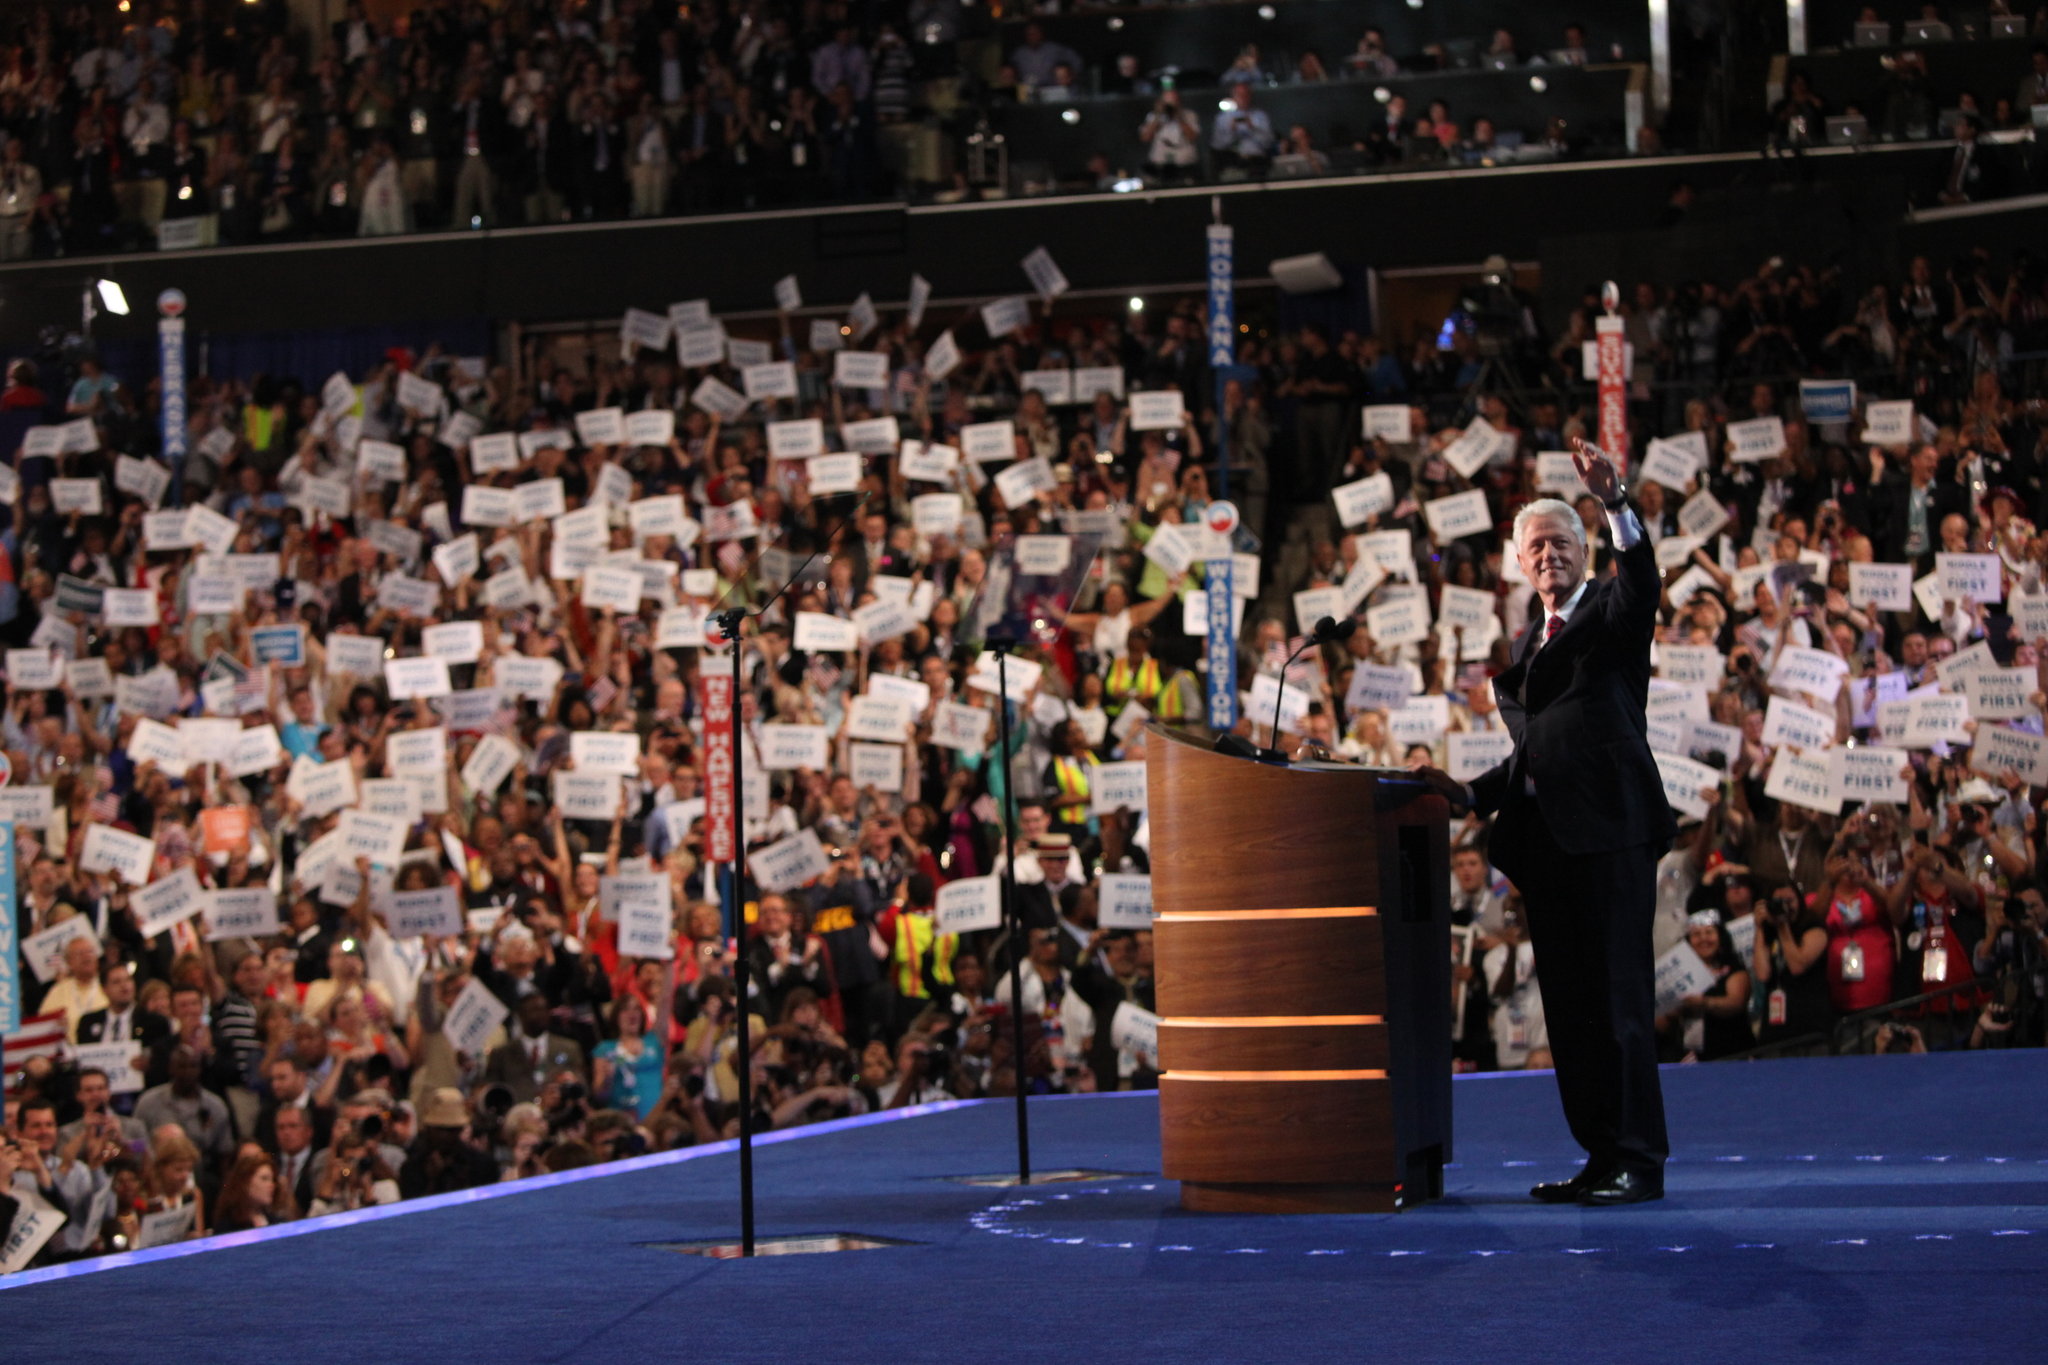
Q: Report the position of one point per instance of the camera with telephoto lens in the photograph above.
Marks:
(371, 1128)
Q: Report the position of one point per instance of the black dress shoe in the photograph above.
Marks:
(1624, 1186)
(1566, 1191)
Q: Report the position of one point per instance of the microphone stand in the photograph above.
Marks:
(1275, 754)
(730, 621)
(1000, 645)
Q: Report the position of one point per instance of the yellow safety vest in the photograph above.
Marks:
(256, 426)
(1072, 779)
(1126, 684)
(915, 934)
(1172, 702)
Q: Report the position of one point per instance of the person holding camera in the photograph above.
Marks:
(443, 1157)
(1860, 947)
(353, 1177)
(1787, 962)
(1172, 139)
(1242, 136)
(923, 1068)
(2014, 953)
(533, 1054)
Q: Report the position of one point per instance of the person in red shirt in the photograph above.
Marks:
(1860, 953)
(1935, 908)
(21, 391)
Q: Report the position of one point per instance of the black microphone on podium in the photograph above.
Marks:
(1327, 631)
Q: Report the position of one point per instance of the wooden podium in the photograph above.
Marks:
(1303, 965)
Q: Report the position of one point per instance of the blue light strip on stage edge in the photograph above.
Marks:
(378, 1212)
(375, 1213)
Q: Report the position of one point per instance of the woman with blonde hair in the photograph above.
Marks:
(167, 1181)
(703, 947)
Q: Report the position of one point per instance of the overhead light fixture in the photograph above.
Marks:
(1310, 274)
(1137, 304)
(111, 298)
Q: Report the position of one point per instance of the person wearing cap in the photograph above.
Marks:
(1582, 821)
(442, 1158)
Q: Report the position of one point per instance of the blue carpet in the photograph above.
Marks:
(1862, 1210)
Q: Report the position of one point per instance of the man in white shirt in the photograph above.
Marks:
(78, 991)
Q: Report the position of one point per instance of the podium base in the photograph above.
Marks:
(1205, 1197)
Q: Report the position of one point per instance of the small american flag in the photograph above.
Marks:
(42, 1036)
(601, 693)
(105, 807)
(253, 692)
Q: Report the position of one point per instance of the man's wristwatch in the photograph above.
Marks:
(1620, 499)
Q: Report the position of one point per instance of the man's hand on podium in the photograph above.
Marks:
(1441, 782)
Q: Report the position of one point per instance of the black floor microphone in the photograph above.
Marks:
(1327, 631)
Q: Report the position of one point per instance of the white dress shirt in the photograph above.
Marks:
(1628, 532)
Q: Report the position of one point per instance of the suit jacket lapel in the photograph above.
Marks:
(1526, 649)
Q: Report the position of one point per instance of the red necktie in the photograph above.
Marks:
(1550, 631)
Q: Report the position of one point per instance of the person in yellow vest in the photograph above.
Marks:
(1067, 780)
(920, 957)
(1179, 698)
(1134, 676)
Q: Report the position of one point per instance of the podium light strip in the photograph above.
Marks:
(1273, 1075)
(1211, 916)
(1274, 1021)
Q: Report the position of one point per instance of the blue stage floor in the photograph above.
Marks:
(1866, 1210)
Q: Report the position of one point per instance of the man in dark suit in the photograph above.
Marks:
(1909, 509)
(1581, 821)
(291, 1088)
(533, 1056)
(292, 1145)
(120, 1021)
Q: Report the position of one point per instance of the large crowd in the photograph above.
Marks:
(211, 122)
(368, 763)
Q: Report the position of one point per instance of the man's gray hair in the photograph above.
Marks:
(1550, 507)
